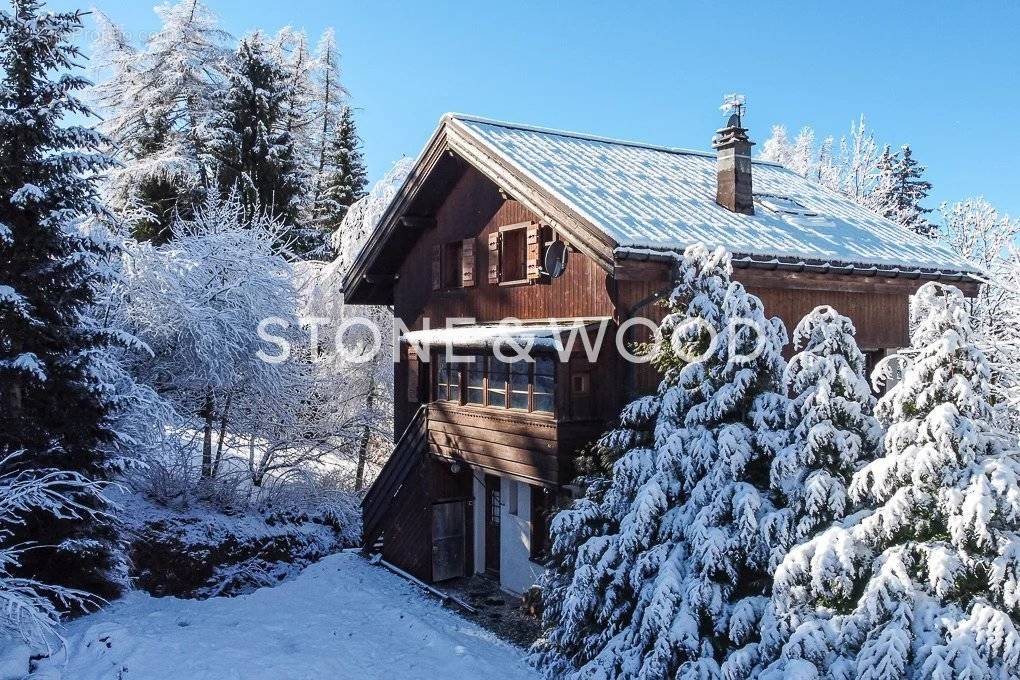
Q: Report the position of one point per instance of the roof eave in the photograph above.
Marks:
(744, 261)
(458, 139)
(358, 277)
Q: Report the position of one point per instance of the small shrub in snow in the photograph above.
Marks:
(30, 610)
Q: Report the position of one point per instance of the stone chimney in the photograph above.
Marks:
(733, 167)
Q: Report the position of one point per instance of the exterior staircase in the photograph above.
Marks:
(408, 452)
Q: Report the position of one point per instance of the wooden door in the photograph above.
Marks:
(493, 505)
(449, 540)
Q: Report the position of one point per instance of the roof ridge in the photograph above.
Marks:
(591, 137)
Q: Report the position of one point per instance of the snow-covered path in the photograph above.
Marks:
(341, 618)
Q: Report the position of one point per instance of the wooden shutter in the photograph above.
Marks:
(413, 391)
(467, 262)
(437, 267)
(494, 268)
(534, 252)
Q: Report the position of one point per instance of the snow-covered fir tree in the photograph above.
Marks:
(343, 177)
(291, 53)
(32, 609)
(832, 434)
(158, 103)
(802, 156)
(802, 153)
(832, 429)
(52, 411)
(924, 580)
(664, 572)
(251, 150)
(899, 190)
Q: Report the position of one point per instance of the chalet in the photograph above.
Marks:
(486, 446)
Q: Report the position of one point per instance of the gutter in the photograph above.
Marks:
(807, 266)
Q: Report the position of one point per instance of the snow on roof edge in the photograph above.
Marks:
(963, 267)
(665, 251)
(544, 335)
(590, 137)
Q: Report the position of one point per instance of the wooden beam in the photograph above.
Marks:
(379, 278)
(419, 222)
(846, 283)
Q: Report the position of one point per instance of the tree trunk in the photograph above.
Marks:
(359, 475)
(207, 430)
(223, 434)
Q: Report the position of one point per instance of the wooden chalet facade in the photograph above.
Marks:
(487, 445)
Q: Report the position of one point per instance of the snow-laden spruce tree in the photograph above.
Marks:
(987, 238)
(832, 433)
(669, 566)
(30, 610)
(924, 580)
(832, 429)
(52, 408)
(250, 148)
(343, 175)
(899, 190)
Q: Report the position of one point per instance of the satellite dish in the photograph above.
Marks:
(555, 261)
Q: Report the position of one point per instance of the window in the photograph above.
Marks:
(513, 256)
(453, 265)
(485, 380)
(544, 384)
(497, 382)
(475, 380)
(512, 501)
(792, 211)
(520, 382)
(448, 379)
(543, 507)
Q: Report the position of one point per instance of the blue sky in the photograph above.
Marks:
(944, 77)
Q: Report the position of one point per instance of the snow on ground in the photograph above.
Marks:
(341, 618)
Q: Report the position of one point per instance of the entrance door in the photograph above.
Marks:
(449, 540)
(492, 511)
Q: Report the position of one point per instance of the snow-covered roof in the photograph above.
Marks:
(552, 335)
(651, 197)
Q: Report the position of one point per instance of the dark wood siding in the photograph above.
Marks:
(879, 308)
(475, 209)
(539, 447)
(407, 540)
(518, 444)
